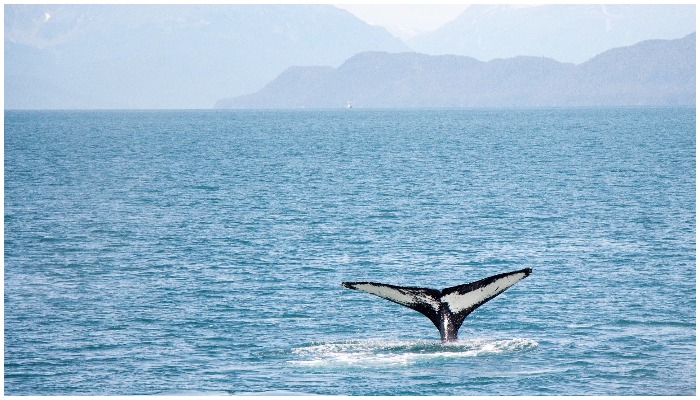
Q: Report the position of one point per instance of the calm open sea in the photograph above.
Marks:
(201, 252)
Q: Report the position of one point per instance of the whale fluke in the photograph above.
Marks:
(446, 308)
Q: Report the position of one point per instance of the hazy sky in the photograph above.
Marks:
(406, 20)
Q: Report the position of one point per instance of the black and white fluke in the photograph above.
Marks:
(448, 307)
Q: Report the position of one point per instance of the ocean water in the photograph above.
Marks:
(201, 252)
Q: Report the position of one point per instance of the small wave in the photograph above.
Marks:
(192, 393)
(274, 393)
(369, 353)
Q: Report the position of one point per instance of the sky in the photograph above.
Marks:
(406, 20)
(401, 20)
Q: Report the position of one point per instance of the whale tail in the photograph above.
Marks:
(446, 308)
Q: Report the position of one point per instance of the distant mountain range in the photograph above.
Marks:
(189, 56)
(650, 73)
(169, 56)
(567, 33)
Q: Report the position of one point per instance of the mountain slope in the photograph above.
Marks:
(168, 56)
(650, 72)
(567, 33)
(660, 72)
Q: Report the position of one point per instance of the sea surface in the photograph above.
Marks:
(202, 252)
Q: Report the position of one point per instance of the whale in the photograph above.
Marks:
(446, 308)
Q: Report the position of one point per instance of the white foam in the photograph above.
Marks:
(373, 353)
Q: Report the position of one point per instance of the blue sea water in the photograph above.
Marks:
(201, 252)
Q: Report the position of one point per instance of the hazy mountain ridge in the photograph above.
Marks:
(567, 33)
(657, 72)
(188, 56)
(169, 56)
